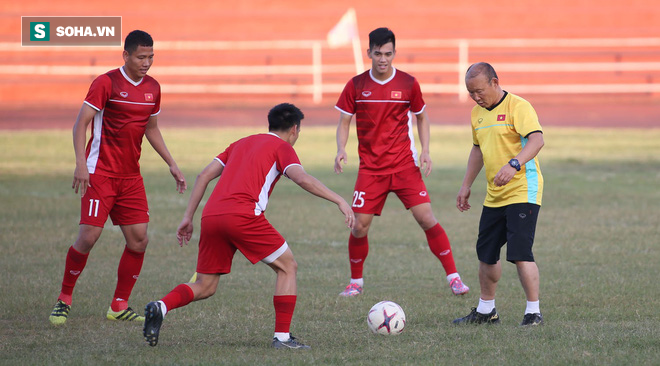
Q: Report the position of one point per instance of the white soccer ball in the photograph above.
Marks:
(386, 318)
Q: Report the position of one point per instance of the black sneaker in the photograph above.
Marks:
(153, 318)
(291, 343)
(532, 319)
(477, 318)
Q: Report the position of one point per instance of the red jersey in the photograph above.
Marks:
(252, 166)
(383, 119)
(123, 110)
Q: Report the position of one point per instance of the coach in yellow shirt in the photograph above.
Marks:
(507, 137)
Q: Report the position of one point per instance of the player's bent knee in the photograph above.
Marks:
(289, 266)
(142, 243)
(206, 290)
(292, 266)
(87, 238)
(360, 231)
(208, 293)
(426, 221)
(285, 266)
(83, 247)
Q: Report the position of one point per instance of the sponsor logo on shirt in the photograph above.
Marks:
(366, 93)
(396, 95)
(148, 97)
(123, 94)
(501, 117)
(423, 193)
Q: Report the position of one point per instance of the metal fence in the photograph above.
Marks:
(311, 67)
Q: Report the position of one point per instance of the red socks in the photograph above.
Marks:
(75, 263)
(128, 272)
(358, 249)
(439, 245)
(284, 306)
(182, 295)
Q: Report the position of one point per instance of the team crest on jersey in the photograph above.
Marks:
(123, 94)
(148, 97)
(396, 95)
(366, 93)
(501, 117)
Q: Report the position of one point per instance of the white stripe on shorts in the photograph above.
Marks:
(276, 254)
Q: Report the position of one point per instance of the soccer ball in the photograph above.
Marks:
(386, 318)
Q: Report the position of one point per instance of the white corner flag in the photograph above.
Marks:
(346, 32)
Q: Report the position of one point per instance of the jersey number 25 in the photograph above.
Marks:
(358, 199)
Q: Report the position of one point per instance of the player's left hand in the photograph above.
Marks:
(425, 163)
(184, 231)
(504, 175)
(181, 184)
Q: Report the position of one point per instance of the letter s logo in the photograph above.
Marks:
(39, 31)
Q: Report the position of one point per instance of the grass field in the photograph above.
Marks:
(596, 247)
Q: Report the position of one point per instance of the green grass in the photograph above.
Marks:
(596, 247)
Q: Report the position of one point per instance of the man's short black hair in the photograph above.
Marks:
(284, 116)
(481, 68)
(137, 38)
(380, 36)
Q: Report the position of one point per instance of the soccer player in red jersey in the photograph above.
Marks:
(383, 100)
(122, 106)
(233, 218)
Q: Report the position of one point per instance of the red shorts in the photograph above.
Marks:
(123, 199)
(221, 235)
(371, 190)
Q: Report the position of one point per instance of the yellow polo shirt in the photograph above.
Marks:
(501, 133)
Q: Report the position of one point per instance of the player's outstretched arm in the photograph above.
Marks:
(343, 129)
(185, 229)
(314, 186)
(156, 140)
(475, 163)
(81, 174)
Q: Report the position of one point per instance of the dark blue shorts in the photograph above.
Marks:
(514, 225)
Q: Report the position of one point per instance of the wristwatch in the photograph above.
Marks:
(515, 164)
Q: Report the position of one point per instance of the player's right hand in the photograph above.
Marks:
(184, 231)
(181, 184)
(80, 180)
(462, 199)
(341, 158)
(349, 215)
